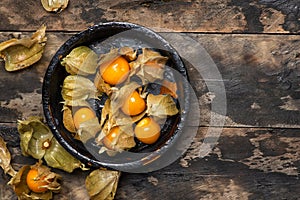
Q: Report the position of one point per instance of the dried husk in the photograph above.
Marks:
(117, 100)
(149, 66)
(124, 141)
(75, 103)
(169, 87)
(105, 114)
(68, 119)
(21, 53)
(151, 55)
(102, 184)
(77, 89)
(161, 106)
(81, 61)
(111, 113)
(88, 129)
(18, 182)
(54, 5)
(150, 73)
(118, 97)
(101, 85)
(123, 119)
(112, 116)
(127, 52)
(37, 141)
(33, 135)
(5, 159)
(56, 156)
(108, 121)
(108, 57)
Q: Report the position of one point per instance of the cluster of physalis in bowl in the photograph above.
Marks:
(119, 99)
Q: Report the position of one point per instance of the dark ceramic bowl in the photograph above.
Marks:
(101, 38)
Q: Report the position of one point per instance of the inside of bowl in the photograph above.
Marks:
(101, 39)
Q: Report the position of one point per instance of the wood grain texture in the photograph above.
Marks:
(261, 77)
(254, 45)
(265, 69)
(245, 164)
(251, 16)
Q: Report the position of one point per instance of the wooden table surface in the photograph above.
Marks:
(255, 46)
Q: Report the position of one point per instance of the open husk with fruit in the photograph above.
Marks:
(35, 182)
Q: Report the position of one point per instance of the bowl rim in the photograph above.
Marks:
(180, 67)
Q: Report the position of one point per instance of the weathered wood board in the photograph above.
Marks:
(254, 46)
(251, 16)
(247, 163)
(260, 76)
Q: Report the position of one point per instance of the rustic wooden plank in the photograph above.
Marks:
(260, 74)
(256, 155)
(246, 163)
(264, 149)
(261, 77)
(209, 179)
(265, 16)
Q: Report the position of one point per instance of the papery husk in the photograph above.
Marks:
(123, 119)
(57, 157)
(118, 97)
(81, 61)
(161, 106)
(38, 142)
(78, 88)
(5, 159)
(102, 184)
(150, 55)
(101, 85)
(123, 141)
(150, 74)
(117, 101)
(22, 53)
(68, 119)
(88, 129)
(18, 182)
(169, 87)
(112, 116)
(149, 66)
(75, 103)
(127, 52)
(33, 134)
(54, 5)
(105, 114)
(109, 57)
